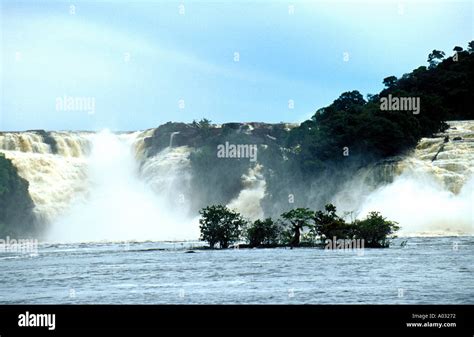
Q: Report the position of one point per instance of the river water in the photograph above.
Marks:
(424, 270)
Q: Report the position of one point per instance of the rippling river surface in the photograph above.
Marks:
(425, 270)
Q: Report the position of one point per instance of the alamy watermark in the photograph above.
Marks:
(76, 104)
(228, 150)
(345, 245)
(392, 103)
(19, 245)
(37, 320)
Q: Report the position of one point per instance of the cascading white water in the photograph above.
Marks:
(428, 197)
(120, 206)
(247, 202)
(172, 136)
(168, 174)
(54, 179)
(23, 142)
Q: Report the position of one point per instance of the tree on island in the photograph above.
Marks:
(262, 233)
(298, 218)
(329, 225)
(375, 230)
(221, 225)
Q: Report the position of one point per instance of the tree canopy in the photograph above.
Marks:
(220, 225)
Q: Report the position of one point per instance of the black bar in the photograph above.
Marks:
(241, 319)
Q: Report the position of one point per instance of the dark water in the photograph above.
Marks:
(426, 270)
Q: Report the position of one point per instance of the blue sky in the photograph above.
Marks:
(139, 61)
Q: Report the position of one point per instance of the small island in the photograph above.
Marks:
(299, 227)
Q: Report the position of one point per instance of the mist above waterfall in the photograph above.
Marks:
(119, 205)
(423, 207)
(432, 188)
(248, 200)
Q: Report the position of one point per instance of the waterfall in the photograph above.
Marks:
(248, 201)
(427, 194)
(23, 142)
(120, 206)
(172, 136)
(102, 186)
(105, 186)
(169, 174)
(54, 179)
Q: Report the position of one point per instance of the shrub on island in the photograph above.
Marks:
(262, 233)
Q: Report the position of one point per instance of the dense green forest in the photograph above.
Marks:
(445, 89)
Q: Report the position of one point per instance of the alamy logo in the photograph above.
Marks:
(391, 103)
(237, 151)
(37, 320)
(19, 246)
(76, 104)
(345, 244)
